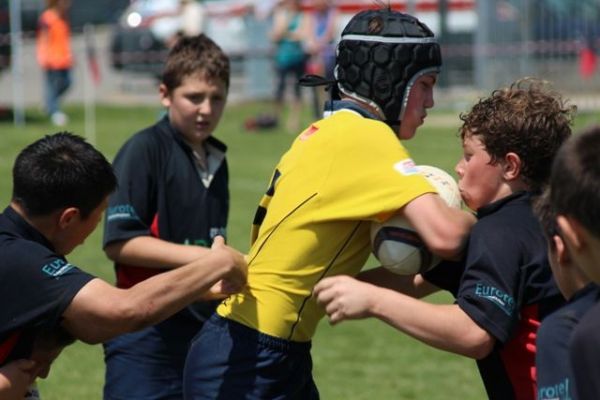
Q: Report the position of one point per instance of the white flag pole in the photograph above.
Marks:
(89, 88)
(16, 44)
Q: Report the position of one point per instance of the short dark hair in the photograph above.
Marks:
(193, 55)
(575, 179)
(545, 213)
(58, 171)
(527, 118)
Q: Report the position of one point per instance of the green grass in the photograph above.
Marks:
(355, 360)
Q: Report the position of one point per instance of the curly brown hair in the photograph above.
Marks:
(527, 118)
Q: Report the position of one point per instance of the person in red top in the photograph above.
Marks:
(54, 56)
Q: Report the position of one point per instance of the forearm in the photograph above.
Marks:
(445, 327)
(279, 27)
(160, 296)
(458, 238)
(410, 285)
(151, 252)
(443, 229)
(100, 311)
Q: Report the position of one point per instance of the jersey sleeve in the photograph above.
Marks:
(41, 288)
(490, 287)
(132, 207)
(371, 175)
(446, 275)
(552, 363)
(584, 353)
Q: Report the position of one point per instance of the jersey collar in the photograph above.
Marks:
(333, 106)
(521, 196)
(24, 229)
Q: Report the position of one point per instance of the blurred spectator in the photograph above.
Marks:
(54, 56)
(322, 43)
(191, 21)
(263, 9)
(322, 47)
(290, 28)
(193, 17)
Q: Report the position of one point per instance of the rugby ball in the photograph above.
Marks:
(397, 246)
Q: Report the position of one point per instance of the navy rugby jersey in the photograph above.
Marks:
(584, 352)
(36, 285)
(161, 194)
(554, 372)
(505, 286)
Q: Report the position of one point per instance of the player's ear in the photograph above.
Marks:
(571, 232)
(562, 253)
(165, 95)
(68, 216)
(511, 166)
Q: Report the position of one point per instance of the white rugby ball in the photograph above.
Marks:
(397, 246)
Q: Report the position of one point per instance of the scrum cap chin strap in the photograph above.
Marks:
(331, 85)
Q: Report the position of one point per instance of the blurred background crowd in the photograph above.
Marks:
(485, 44)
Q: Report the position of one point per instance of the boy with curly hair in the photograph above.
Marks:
(503, 286)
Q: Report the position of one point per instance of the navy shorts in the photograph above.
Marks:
(148, 365)
(228, 360)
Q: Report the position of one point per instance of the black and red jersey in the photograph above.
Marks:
(161, 194)
(584, 354)
(506, 287)
(555, 376)
(36, 285)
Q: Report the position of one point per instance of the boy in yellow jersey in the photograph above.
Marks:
(340, 174)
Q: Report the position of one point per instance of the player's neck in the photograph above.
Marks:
(45, 224)
(200, 154)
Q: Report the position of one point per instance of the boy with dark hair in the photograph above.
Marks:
(340, 174)
(172, 201)
(504, 286)
(60, 189)
(39, 189)
(575, 196)
(553, 367)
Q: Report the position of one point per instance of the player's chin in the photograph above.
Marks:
(407, 134)
(468, 200)
(202, 133)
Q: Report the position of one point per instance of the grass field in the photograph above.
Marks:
(356, 360)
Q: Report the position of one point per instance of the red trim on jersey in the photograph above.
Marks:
(311, 130)
(518, 355)
(420, 6)
(129, 275)
(7, 346)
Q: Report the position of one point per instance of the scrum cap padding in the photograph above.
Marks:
(380, 55)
